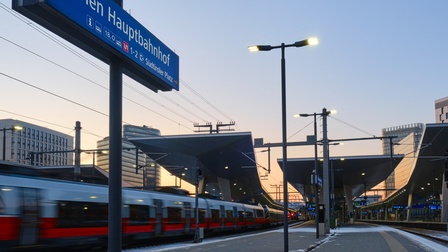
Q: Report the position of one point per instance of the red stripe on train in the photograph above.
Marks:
(9, 228)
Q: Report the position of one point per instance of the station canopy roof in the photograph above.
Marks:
(357, 172)
(432, 154)
(428, 163)
(227, 156)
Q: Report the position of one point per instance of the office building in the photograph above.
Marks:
(33, 144)
(137, 168)
(441, 109)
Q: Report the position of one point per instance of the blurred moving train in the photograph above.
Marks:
(39, 213)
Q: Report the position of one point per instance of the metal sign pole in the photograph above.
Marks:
(115, 152)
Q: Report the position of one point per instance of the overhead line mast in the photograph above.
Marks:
(210, 127)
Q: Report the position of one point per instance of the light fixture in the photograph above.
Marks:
(17, 127)
(310, 41)
(306, 42)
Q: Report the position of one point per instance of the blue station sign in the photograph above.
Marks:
(104, 29)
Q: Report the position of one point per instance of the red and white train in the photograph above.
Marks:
(39, 213)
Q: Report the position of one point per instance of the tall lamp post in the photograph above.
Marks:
(13, 128)
(326, 193)
(310, 41)
(316, 170)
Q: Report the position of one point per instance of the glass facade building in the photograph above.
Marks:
(137, 168)
(401, 132)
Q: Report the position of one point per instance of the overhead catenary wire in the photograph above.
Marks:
(205, 100)
(97, 84)
(77, 54)
(96, 66)
(50, 123)
(53, 94)
(354, 127)
(50, 36)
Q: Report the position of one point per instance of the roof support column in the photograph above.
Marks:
(408, 211)
(386, 210)
(224, 187)
(201, 185)
(444, 198)
(349, 198)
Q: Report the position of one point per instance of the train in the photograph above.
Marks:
(39, 213)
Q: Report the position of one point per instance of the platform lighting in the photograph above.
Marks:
(306, 42)
(309, 41)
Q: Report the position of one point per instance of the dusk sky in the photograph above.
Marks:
(379, 64)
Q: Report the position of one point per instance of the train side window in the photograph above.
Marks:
(201, 212)
(174, 215)
(215, 215)
(250, 215)
(9, 201)
(138, 215)
(260, 213)
(82, 214)
(240, 215)
(229, 215)
(2, 201)
(2, 206)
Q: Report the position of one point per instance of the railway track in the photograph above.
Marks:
(438, 236)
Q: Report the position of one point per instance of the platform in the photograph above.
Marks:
(357, 237)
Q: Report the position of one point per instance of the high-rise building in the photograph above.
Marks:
(400, 132)
(50, 147)
(441, 108)
(145, 172)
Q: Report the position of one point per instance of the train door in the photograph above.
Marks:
(235, 216)
(222, 215)
(30, 216)
(187, 207)
(159, 216)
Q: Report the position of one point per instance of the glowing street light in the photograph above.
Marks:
(310, 41)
